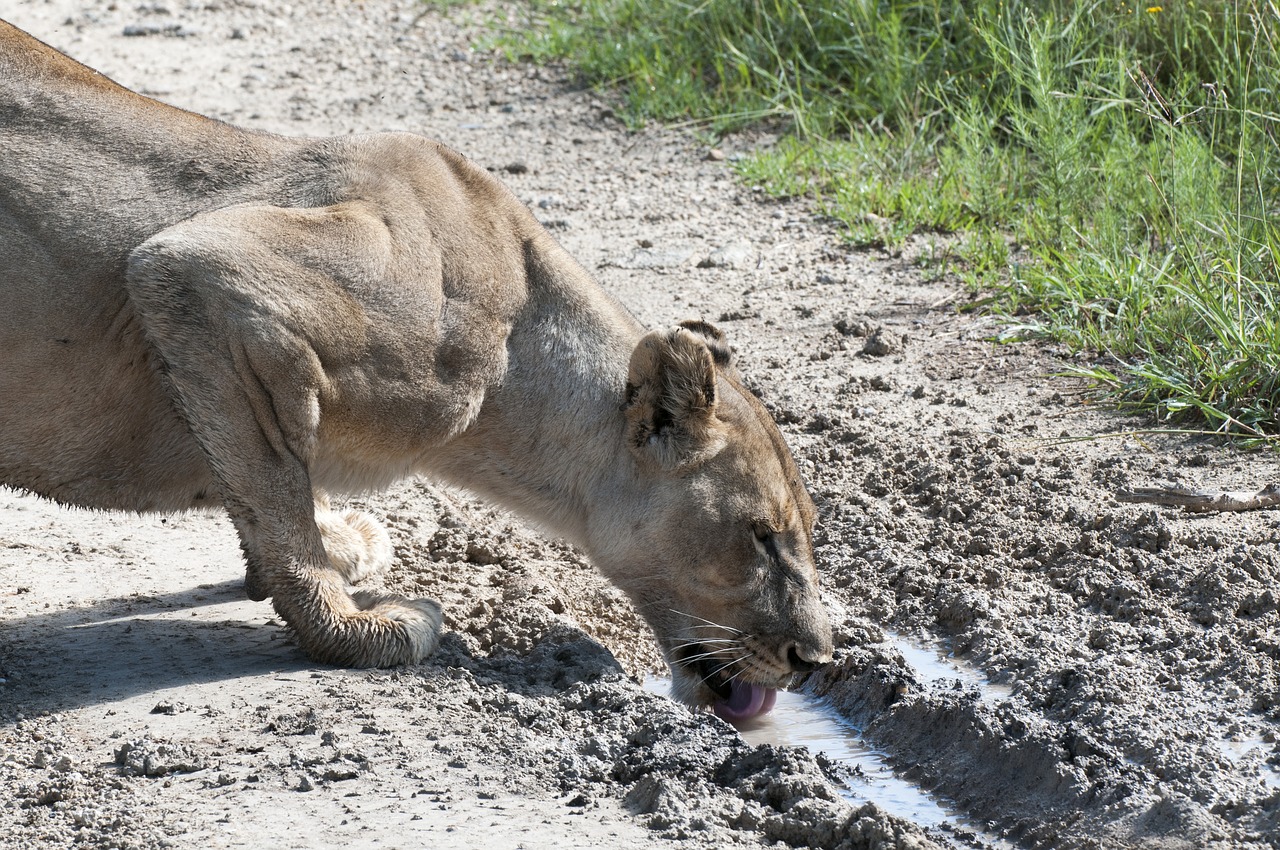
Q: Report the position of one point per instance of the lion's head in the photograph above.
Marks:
(716, 546)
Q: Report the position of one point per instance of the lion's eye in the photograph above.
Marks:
(765, 540)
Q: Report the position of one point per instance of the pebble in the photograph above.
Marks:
(735, 255)
(651, 258)
(881, 343)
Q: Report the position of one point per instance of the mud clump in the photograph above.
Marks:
(882, 343)
(148, 757)
(682, 774)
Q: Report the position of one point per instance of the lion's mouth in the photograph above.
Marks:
(711, 669)
(735, 699)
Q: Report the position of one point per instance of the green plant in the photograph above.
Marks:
(1130, 150)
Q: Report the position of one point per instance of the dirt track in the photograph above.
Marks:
(145, 703)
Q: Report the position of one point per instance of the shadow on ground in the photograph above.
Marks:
(124, 647)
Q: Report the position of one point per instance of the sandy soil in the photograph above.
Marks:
(145, 703)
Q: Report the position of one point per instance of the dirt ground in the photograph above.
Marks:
(1126, 659)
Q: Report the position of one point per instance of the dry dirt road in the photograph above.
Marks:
(1118, 678)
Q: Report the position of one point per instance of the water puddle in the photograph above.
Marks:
(1251, 750)
(802, 721)
(933, 663)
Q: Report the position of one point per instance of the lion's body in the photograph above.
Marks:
(126, 168)
(196, 314)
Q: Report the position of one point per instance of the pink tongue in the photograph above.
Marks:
(745, 701)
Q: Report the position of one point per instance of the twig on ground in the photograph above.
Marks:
(1203, 501)
(1263, 439)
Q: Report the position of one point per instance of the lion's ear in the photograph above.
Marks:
(671, 399)
(715, 339)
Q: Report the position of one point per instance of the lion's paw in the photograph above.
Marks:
(357, 545)
(385, 630)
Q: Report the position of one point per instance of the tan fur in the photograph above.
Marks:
(199, 315)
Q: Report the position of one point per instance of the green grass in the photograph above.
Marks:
(1130, 151)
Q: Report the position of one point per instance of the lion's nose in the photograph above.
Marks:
(806, 659)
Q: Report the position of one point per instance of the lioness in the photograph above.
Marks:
(199, 315)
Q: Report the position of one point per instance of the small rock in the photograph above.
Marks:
(881, 343)
(853, 327)
(516, 167)
(167, 30)
(732, 256)
(715, 155)
(649, 258)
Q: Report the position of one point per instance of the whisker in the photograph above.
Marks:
(704, 642)
(726, 666)
(685, 662)
(705, 620)
(710, 651)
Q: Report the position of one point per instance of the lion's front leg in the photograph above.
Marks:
(233, 323)
(364, 629)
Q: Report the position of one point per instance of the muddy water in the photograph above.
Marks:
(933, 663)
(799, 720)
(1252, 751)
